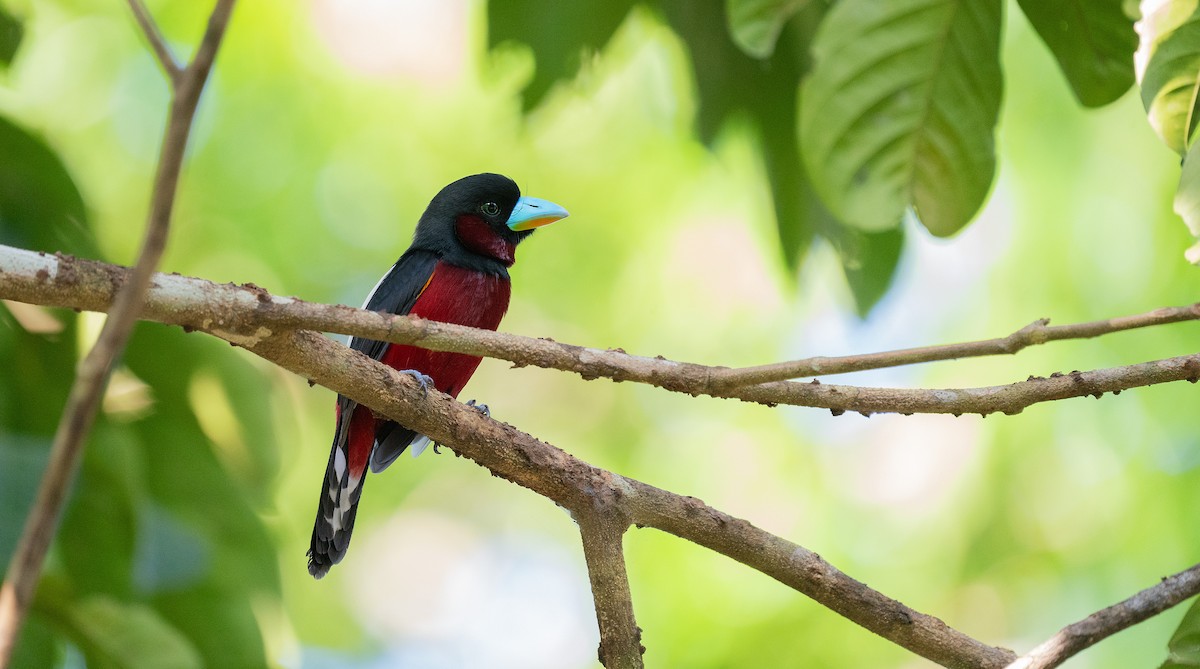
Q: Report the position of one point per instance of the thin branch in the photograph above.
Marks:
(620, 637)
(1037, 332)
(1102, 624)
(93, 373)
(250, 311)
(159, 45)
(578, 486)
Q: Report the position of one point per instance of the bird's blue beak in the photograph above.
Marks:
(532, 212)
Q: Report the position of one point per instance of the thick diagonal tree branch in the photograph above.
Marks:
(92, 376)
(194, 303)
(583, 488)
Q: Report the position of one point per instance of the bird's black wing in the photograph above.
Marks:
(396, 293)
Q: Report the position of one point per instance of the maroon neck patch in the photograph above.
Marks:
(479, 237)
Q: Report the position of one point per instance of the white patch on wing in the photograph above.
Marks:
(418, 445)
(339, 463)
(343, 505)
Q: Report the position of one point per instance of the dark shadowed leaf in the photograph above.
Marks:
(731, 83)
(40, 207)
(11, 32)
(100, 528)
(1184, 647)
(1093, 41)
(756, 24)
(900, 110)
(1168, 62)
(869, 260)
(557, 32)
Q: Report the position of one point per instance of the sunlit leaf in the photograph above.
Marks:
(1187, 199)
(755, 24)
(558, 34)
(1168, 66)
(112, 633)
(900, 110)
(1093, 41)
(11, 32)
(1184, 647)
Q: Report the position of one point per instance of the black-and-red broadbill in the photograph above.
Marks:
(456, 271)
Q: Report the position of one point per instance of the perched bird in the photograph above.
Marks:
(455, 271)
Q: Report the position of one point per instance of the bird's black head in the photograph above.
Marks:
(477, 222)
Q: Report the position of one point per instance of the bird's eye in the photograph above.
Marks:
(489, 208)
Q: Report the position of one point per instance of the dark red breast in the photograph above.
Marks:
(460, 296)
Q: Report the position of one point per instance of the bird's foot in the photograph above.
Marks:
(481, 408)
(424, 379)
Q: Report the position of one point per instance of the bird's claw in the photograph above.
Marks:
(424, 379)
(481, 408)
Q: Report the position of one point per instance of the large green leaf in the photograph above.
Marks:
(900, 110)
(1093, 41)
(1184, 647)
(1168, 66)
(756, 24)
(558, 33)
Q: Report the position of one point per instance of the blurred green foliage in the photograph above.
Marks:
(679, 135)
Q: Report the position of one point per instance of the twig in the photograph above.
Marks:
(92, 376)
(157, 43)
(620, 637)
(250, 311)
(576, 485)
(1037, 332)
(1104, 623)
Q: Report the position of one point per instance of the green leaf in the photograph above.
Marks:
(1187, 200)
(557, 32)
(900, 109)
(1184, 646)
(755, 24)
(730, 83)
(37, 646)
(127, 635)
(1093, 40)
(11, 32)
(1168, 64)
(869, 261)
(40, 207)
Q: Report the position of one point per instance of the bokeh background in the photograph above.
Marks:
(326, 129)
